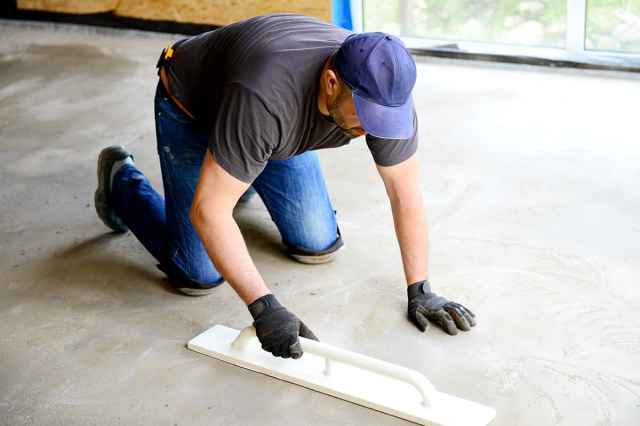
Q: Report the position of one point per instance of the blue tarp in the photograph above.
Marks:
(341, 14)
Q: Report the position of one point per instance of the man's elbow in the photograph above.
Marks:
(201, 215)
(195, 216)
(406, 201)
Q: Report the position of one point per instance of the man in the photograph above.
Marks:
(248, 104)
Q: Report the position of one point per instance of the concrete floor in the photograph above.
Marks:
(531, 177)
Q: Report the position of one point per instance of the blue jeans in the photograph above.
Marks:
(293, 190)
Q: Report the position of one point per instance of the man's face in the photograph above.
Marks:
(342, 112)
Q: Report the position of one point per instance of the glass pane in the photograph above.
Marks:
(534, 23)
(613, 25)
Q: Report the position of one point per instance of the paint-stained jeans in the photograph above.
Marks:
(293, 190)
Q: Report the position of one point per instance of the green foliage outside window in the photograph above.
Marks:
(613, 25)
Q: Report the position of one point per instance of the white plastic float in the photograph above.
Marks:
(370, 382)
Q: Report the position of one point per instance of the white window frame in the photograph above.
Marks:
(574, 50)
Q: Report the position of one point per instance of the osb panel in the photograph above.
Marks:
(220, 12)
(69, 6)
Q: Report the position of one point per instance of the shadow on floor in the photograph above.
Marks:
(94, 261)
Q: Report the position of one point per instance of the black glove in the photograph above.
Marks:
(277, 328)
(425, 306)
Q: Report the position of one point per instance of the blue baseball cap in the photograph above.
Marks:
(381, 73)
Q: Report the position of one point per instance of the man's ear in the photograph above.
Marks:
(332, 83)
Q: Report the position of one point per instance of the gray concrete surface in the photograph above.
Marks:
(531, 177)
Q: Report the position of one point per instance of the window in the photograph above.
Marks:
(538, 23)
(602, 32)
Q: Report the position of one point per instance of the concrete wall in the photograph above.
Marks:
(218, 12)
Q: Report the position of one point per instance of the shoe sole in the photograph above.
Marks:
(316, 260)
(196, 292)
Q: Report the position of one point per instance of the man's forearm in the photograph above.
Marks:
(411, 230)
(225, 245)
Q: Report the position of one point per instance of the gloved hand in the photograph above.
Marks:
(425, 306)
(277, 328)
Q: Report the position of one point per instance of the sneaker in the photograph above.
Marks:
(106, 159)
(185, 285)
(195, 289)
(315, 258)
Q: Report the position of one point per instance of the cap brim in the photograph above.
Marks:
(384, 121)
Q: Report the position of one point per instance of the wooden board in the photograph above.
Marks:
(350, 383)
(69, 6)
(219, 12)
(215, 12)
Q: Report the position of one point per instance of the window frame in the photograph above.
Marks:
(574, 54)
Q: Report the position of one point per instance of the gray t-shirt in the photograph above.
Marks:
(255, 83)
